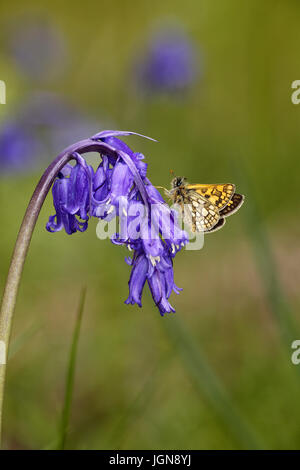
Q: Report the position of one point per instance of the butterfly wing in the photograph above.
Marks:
(199, 213)
(218, 194)
(234, 204)
(219, 225)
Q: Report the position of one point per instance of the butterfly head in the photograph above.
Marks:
(178, 182)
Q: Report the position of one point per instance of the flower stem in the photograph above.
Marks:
(18, 259)
(23, 242)
(26, 231)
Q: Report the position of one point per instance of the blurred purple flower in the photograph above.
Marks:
(18, 148)
(57, 121)
(169, 64)
(44, 123)
(79, 193)
(38, 48)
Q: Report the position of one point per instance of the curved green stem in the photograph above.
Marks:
(18, 259)
(23, 242)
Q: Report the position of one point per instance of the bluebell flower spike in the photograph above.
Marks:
(80, 193)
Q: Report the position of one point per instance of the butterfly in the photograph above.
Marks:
(204, 207)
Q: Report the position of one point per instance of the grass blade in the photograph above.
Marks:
(208, 384)
(70, 376)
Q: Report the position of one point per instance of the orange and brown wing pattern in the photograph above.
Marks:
(219, 225)
(218, 194)
(233, 205)
(198, 212)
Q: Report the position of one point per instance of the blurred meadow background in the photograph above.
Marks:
(211, 81)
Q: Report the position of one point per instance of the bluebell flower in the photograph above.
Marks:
(71, 197)
(169, 64)
(152, 231)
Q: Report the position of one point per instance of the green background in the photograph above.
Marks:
(135, 384)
